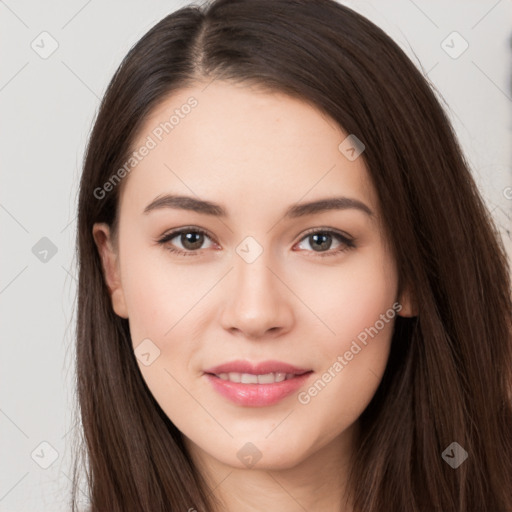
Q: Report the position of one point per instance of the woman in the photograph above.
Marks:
(291, 295)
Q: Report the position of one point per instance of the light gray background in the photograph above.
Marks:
(48, 106)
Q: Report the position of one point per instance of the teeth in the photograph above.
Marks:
(234, 377)
(268, 378)
(280, 377)
(249, 378)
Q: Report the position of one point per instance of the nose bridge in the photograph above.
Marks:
(258, 301)
(254, 278)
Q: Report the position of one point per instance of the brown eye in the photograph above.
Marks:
(320, 241)
(191, 240)
(188, 241)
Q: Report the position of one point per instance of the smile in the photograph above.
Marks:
(249, 378)
(256, 385)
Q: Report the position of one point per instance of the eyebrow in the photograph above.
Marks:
(294, 211)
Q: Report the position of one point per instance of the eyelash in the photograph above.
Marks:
(348, 243)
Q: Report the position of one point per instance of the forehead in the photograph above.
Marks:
(234, 141)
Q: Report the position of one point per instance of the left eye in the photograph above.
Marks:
(322, 239)
(191, 241)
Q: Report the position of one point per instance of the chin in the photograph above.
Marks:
(267, 455)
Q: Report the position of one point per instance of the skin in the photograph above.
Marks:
(255, 153)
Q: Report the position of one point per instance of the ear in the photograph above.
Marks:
(110, 263)
(408, 303)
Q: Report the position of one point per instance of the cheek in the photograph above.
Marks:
(162, 300)
(165, 306)
(358, 304)
(158, 294)
(351, 298)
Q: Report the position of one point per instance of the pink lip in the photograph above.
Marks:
(256, 395)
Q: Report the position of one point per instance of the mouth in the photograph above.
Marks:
(256, 385)
(250, 378)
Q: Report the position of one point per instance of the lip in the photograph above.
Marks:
(256, 395)
(256, 368)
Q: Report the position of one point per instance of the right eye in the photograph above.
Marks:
(191, 240)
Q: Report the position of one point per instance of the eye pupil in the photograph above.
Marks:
(323, 244)
(192, 240)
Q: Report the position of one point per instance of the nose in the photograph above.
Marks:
(259, 304)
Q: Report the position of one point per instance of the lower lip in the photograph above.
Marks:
(256, 395)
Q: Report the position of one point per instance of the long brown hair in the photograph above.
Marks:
(449, 375)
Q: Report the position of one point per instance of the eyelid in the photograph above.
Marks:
(325, 229)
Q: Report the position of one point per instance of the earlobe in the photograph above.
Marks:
(408, 303)
(110, 264)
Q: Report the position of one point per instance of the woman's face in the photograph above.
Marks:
(266, 283)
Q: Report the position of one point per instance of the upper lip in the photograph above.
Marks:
(261, 368)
